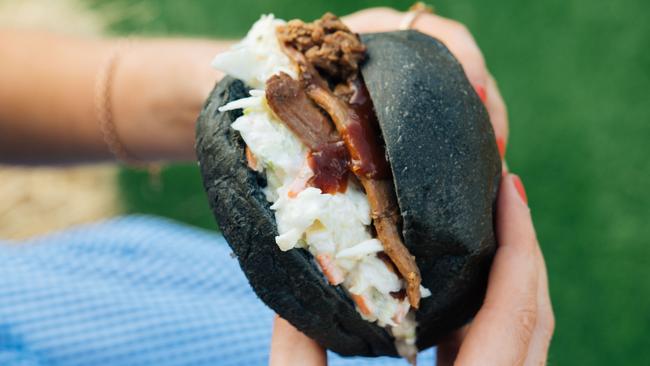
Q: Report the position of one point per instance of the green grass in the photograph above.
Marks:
(576, 76)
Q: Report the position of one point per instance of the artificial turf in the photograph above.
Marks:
(576, 77)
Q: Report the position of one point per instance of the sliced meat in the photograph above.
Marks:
(367, 155)
(370, 166)
(385, 217)
(328, 158)
(289, 102)
(354, 126)
(327, 44)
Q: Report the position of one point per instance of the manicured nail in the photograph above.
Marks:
(481, 93)
(501, 145)
(520, 188)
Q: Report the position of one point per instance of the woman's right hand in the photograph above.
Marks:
(515, 324)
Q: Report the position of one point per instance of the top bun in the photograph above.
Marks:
(446, 168)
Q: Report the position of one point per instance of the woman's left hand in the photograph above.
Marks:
(151, 89)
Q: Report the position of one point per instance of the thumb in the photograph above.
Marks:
(290, 347)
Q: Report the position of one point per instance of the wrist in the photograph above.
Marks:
(159, 89)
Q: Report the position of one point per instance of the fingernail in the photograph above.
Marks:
(520, 188)
(481, 93)
(501, 145)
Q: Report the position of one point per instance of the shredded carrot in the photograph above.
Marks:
(293, 193)
(361, 303)
(300, 183)
(331, 272)
(250, 158)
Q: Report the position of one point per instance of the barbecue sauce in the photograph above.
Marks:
(331, 166)
(364, 153)
(368, 156)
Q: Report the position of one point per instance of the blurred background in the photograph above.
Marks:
(575, 75)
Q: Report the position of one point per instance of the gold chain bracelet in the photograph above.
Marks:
(104, 112)
(104, 107)
(413, 14)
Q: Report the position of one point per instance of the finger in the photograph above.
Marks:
(373, 20)
(452, 33)
(501, 331)
(447, 349)
(290, 347)
(460, 43)
(538, 349)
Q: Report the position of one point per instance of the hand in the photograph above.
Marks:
(515, 324)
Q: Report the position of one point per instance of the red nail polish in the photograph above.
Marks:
(501, 145)
(481, 93)
(520, 188)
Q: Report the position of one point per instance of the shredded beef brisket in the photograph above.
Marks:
(380, 192)
(328, 157)
(328, 55)
(327, 44)
(287, 99)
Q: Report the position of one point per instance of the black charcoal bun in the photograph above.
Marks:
(446, 169)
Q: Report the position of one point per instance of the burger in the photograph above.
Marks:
(355, 178)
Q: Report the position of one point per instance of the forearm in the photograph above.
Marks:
(47, 96)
